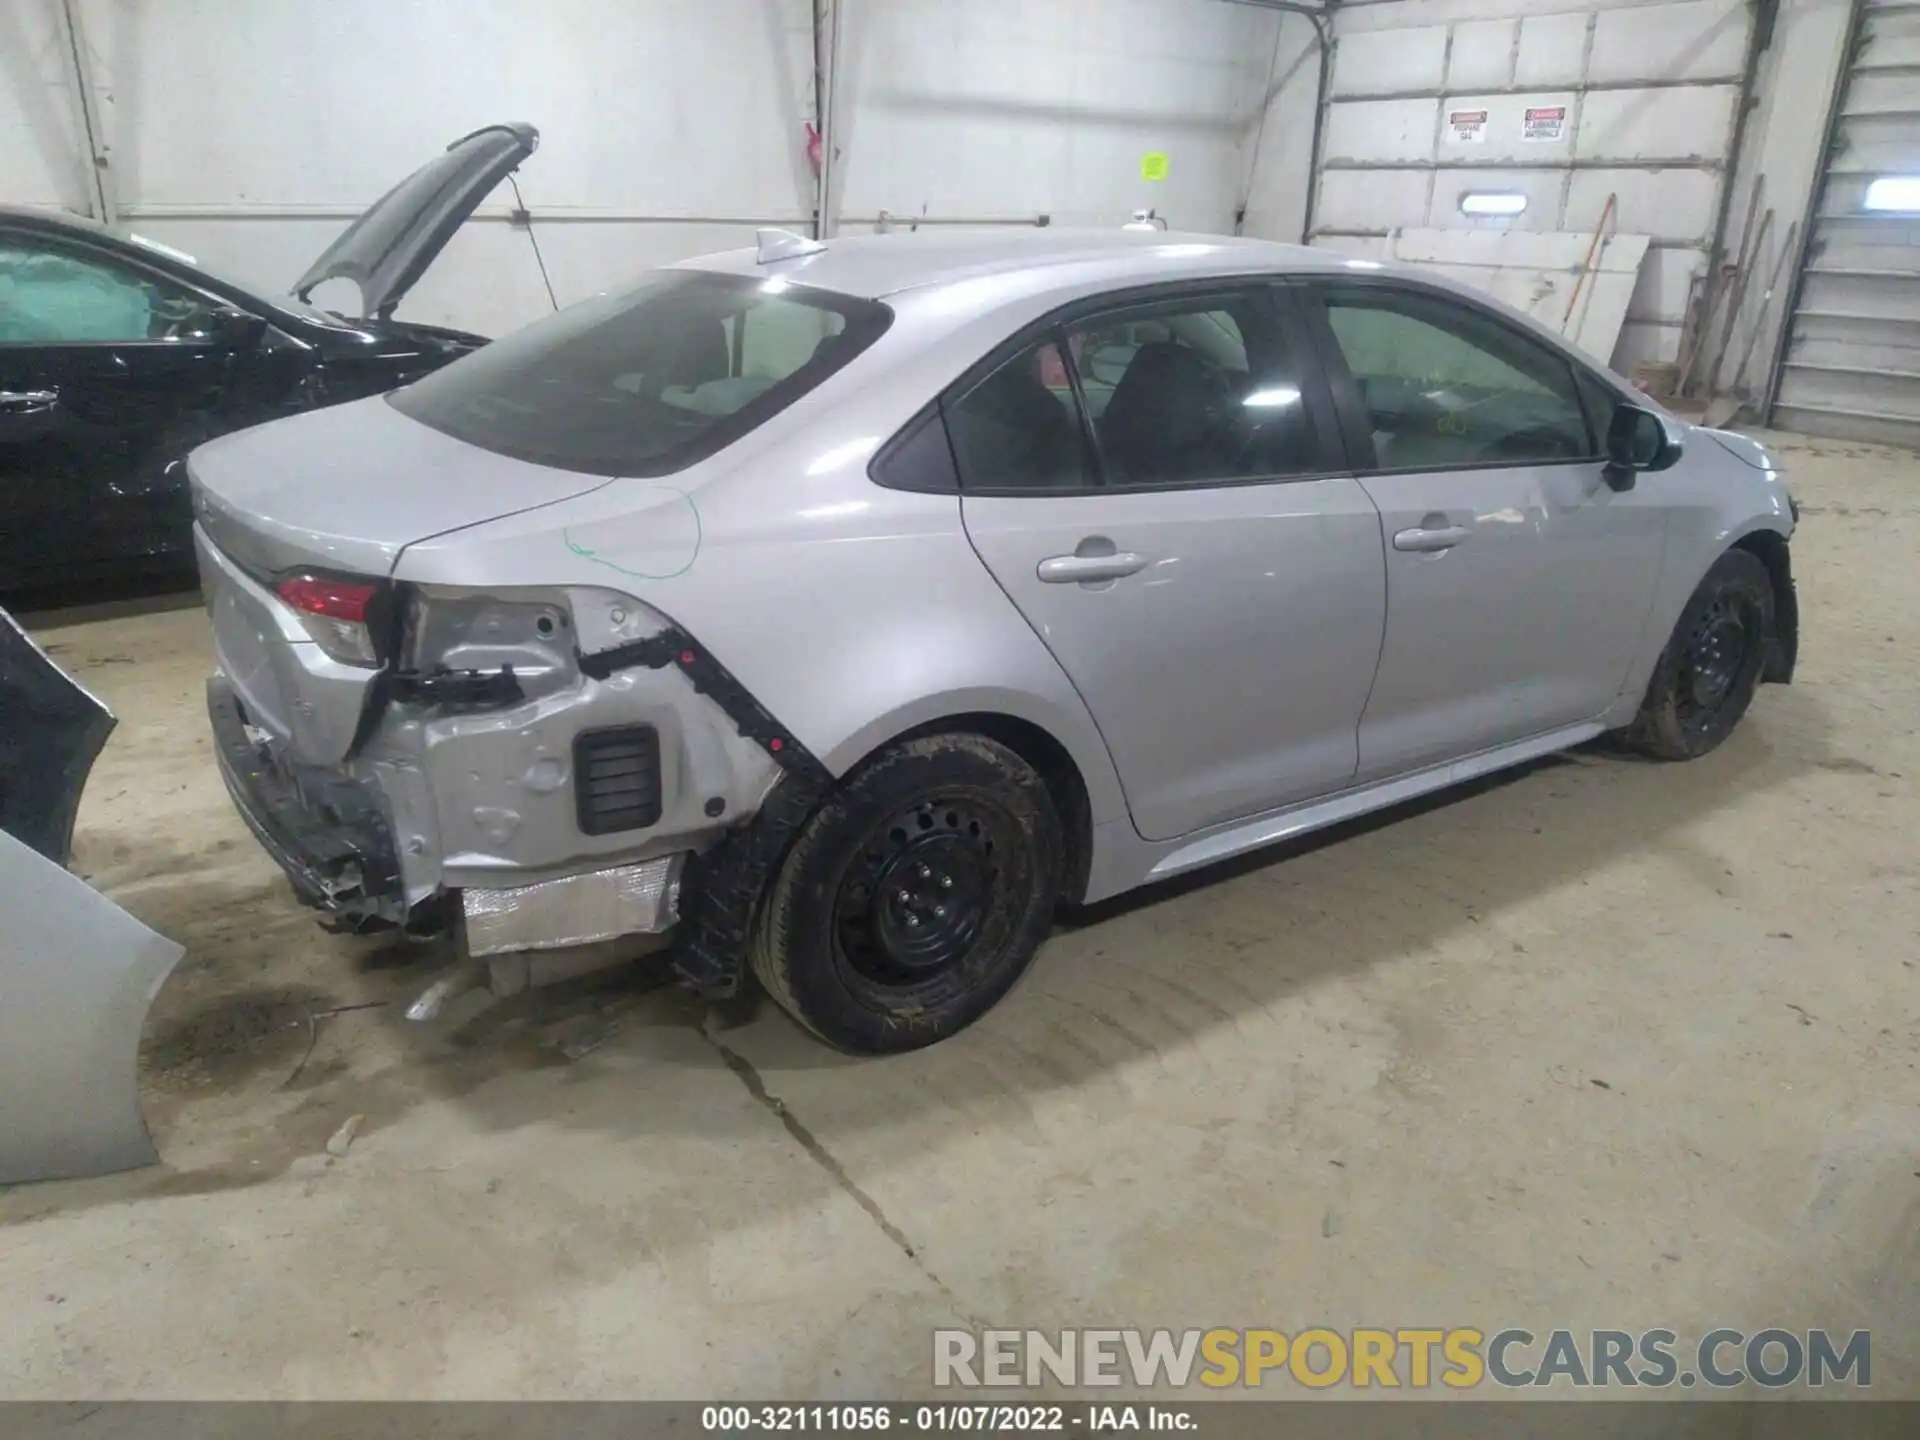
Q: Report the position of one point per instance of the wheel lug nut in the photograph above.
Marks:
(946, 882)
(925, 872)
(913, 921)
(940, 912)
(904, 897)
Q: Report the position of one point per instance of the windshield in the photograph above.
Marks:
(648, 380)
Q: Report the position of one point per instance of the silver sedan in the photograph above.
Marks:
(838, 611)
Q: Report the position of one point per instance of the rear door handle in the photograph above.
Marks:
(27, 402)
(1078, 569)
(1443, 537)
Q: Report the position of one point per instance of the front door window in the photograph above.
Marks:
(52, 295)
(1443, 385)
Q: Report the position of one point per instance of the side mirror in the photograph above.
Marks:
(1637, 440)
(237, 328)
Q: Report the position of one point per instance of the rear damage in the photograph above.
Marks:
(536, 769)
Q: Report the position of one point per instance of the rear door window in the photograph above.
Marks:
(1019, 430)
(648, 380)
(1192, 391)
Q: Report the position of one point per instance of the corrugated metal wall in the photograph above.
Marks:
(1638, 101)
(1853, 360)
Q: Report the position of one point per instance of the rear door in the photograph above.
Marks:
(1518, 581)
(1180, 534)
(109, 374)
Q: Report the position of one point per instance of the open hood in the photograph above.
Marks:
(390, 246)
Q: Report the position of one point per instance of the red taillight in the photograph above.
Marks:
(334, 613)
(335, 599)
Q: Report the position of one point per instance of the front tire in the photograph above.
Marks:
(1707, 675)
(914, 897)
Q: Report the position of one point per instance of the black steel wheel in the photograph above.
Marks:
(1707, 675)
(918, 895)
(914, 897)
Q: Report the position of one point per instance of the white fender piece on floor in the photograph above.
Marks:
(77, 974)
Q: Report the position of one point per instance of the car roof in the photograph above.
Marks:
(53, 219)
(874, 266)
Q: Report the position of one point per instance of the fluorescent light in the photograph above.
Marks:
(1894, 192)
(1273, 398)
(1492, 202)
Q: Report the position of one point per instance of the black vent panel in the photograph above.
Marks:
(616, 779)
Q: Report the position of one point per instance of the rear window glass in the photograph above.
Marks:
(648, 380)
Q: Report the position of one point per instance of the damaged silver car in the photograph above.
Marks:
(840, 610)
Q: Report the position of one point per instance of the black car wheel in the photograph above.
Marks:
(1711, 667)
(914, 897)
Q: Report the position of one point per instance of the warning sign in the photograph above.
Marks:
(1468, 127)
(1544, 122)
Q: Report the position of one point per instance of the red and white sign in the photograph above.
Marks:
(1544, 123)
(1467, 127)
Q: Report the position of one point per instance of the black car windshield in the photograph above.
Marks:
(648, 380)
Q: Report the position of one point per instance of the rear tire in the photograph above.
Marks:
(914, 897)
(1707, 675)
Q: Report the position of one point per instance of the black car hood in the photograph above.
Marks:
(390, 246)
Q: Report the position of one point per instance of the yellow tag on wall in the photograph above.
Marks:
(1153, 165)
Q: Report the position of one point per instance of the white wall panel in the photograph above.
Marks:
(284, 101)
(1690, 123)
(40, 133)
(1380, 131)
(1676, 206)
(1010, 108)
(1370, 201)
(248, 132)
(1704, 40)
(1280, 158)
(1553, 49)
(1383, 61)
(1482, 55)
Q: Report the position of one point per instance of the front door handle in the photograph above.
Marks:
(1442, 537)
(1079, 569)
(27, 402)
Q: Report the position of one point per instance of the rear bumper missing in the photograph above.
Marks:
(335, 847)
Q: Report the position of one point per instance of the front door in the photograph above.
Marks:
(1518, 581)
(108, 376)
(1177, 533)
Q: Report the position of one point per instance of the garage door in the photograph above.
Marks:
(1530, 123)
(1853, 360)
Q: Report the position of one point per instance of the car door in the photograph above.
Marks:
(1519, 581)
(1194, 557)
(109, 373)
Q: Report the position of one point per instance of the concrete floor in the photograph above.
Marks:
(1605, 1044)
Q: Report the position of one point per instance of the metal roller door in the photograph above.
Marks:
(1852, 366)
(1555, 109)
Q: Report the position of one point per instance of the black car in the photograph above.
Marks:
(118, 356)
